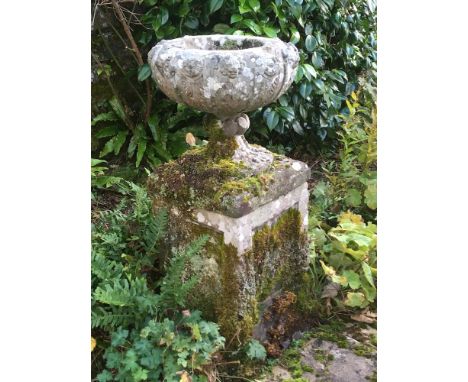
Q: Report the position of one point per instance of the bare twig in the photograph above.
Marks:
(114, 58)
(128, 32)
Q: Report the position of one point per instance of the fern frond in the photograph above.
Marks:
(155, 230)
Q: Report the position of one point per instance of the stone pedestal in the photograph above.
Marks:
(256, 217)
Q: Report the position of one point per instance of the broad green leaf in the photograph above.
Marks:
(355, 299)
(144, 72)
(110, 116)
(253, 26)
(153, 123)
(370, 195)
(353, 279)
(255, 350)
(164, 15)
(305, 89)
(369, 291)
(191, 22)
(114, 144)
(235, 18)
(353, 197)
(319, 84)
(254, 4)
(295, 37)
(287, 112)
(310, 43)
(108, 131)
(270, 31)
(368, 273)
(215, 5)
(299, 74)
(140, 151)
(298, 128)
(309, 71)
(117, 107)
(272, 119)
(220, 28)
(105, 376)
(317, 60)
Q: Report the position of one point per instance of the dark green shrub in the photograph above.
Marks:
(336, 38)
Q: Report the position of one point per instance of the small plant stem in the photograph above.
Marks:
(119, 66)
(128, 32)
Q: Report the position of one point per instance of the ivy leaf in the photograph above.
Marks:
(215, 5)
(355, 299)
(255, 350)
(144, 72)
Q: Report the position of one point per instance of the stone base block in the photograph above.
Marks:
(257, 224)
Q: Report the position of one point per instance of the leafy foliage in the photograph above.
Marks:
(346, 250)
(150, 333)
(336, 40)
(351, 179)
(256, 351)
(351, 253)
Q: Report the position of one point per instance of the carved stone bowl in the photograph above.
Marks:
(224, 75)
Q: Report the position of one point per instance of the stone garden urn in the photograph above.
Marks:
(251, 202)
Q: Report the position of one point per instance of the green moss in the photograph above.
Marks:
(332, 332)
(323, 356)
(275, 246)
(364, 350)
(207, 177)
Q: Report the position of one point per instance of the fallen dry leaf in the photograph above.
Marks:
(185, 377)
(190, 139)
(365, 316)
(93, 343)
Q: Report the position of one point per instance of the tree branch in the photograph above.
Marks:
(128, 32)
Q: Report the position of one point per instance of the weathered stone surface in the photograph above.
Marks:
(251, 202)
(335, 364)
(224, 75)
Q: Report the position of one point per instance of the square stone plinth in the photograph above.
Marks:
(257, 224)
